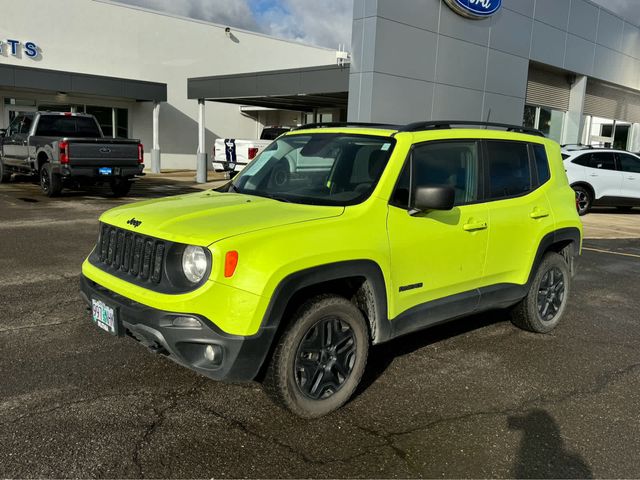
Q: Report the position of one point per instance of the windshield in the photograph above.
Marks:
(317, 169)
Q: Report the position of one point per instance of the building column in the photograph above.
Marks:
(155, 149)
(114, 123)
(201, 157)
(634, 138)
(573, 121)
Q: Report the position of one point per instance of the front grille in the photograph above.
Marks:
(137, 256)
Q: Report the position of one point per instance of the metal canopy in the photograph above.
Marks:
(303, 89)
(13, 76)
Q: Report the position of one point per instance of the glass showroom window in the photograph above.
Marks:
(547, 120)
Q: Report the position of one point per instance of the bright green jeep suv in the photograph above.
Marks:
(335, 238)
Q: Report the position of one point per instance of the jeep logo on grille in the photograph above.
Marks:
(475, 9)
(134, 223)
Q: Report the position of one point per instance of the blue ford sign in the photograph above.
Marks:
(475, 9)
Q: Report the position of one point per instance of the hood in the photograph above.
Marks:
(206, 217)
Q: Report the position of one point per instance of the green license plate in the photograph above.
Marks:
(104, 316)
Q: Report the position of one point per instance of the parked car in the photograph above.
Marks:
(67, 150)
(400, 228)
(231, 155)
(603, 177)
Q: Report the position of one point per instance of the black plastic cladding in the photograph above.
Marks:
(142, 260)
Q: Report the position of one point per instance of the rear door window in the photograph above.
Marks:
(509, 169)
(600, 160)
(629, 163)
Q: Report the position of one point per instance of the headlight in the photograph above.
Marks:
(194, 263)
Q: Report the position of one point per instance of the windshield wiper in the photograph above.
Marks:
(272, 197)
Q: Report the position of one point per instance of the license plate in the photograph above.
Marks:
(105, 170)
(232, 166)
(104, 316)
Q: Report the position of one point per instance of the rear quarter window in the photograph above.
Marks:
(542, 163)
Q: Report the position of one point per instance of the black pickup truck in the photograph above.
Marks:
(68, 150)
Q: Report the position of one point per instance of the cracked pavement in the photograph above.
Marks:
(474, 398)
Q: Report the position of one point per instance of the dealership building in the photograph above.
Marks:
(129, 67)
(568, 67)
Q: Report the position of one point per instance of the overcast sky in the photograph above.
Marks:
(319, 22)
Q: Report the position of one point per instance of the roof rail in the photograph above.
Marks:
(309, 126)
(444, 124)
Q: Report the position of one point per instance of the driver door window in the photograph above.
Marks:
(630, 166)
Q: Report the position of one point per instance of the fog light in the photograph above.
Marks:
(186, 322)
(211, 353)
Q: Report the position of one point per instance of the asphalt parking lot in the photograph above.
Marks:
(475, 398)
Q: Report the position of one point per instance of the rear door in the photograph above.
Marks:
(519, 211)
(22, 140)
(12, 141)
(602, 174)
(630, 168)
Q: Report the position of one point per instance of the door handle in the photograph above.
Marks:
(631, 178)
(593, 175)
(539, 213)
(475, 226)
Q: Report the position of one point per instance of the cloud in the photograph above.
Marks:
(324, 22)
(235, 13)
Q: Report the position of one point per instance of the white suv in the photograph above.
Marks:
(603, 177)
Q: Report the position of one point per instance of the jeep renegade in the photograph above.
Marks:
(335, 238)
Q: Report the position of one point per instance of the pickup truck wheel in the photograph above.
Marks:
(320, 358)
(120, 187)
(50, 183)
(543, 307)
(5, 176)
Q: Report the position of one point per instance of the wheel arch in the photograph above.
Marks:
(565, 241)
(360, 281)
(42, 157)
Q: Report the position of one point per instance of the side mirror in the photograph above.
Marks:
(433, 198)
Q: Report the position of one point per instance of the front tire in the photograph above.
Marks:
(320, 358)
(50, 183)
(5, 175)
(543, 307)
(584, 199)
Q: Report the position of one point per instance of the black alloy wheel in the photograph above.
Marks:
(544, 306)
(551, 294)
(319, 359)
(325, 358)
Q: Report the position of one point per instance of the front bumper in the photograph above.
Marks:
(238, 358)
(222, 166)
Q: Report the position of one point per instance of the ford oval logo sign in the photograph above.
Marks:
(475, 9)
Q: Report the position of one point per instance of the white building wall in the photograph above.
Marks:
(103, 38)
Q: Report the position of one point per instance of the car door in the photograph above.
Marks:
(630, 168)
(602, 175)
(519, 211)
(11, 141)
(22, 139)
(438, 254)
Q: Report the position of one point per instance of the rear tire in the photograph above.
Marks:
(543, 307)
(50, 183)
(120, 187)
(584, 199)
(5, 175)
(320, 358)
